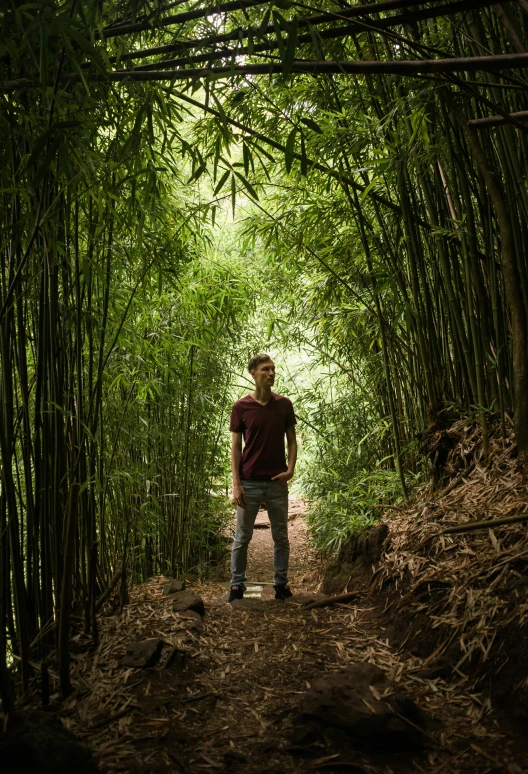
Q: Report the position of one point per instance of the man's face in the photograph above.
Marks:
(264, 376)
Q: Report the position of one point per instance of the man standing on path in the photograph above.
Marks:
(260, 472)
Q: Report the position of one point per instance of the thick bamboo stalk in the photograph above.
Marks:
(486, 524)
(513, 292)
(407, 67)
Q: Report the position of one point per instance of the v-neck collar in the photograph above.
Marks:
(263, 405)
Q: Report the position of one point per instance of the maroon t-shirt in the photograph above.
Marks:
(263, 428)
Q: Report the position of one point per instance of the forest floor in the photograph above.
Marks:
(226, 692)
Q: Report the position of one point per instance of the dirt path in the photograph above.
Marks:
(225, 694)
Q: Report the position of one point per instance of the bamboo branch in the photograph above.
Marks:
(180, 18)
(455, 482)
(485, 524)
(113, 583)
(447, 9)
(485, 123)
(198, 13)
(300, 67)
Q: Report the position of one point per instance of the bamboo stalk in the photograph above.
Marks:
(486, 524)
(407, 67)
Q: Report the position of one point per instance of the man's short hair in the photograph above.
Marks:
(256, 360)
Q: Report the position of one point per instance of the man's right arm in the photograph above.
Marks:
(236, 455)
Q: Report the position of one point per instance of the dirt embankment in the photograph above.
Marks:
(454, 596)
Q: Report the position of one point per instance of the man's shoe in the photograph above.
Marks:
(282, 591)
(236, 592)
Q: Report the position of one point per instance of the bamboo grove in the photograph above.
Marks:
(384, 149)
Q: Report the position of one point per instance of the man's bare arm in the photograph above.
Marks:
(291, 440)
(236, 455)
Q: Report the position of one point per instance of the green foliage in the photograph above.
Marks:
(350, 506)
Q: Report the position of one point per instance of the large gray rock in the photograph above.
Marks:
(355, 701)
(174, 586)
(37, 742)
(142, 654)
(188, 600)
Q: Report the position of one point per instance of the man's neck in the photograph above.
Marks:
(261, 394)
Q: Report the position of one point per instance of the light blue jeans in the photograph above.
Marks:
(274, 494)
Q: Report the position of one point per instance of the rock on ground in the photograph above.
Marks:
(188, 600)
(144, 653)
(361, 701)
(174, 586)
(192, 619)
(38, 743)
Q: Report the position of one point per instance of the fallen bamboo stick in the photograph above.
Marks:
(106, 594)
(331, 600)
(485, 524)
(455, 482)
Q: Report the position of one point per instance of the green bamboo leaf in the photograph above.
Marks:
(290, 48)
(262, 150)
(367, 190)
(265, 21)
(200, 169)
(68, 33)
(247, 185)
(304, 158)
(246, 154)
(290, 149)
(221, 182)
(311, 124)
(277, 19)
(233, 194)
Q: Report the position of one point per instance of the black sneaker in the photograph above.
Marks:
(236, 592)
(282, 591)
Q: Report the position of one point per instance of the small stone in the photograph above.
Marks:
(173, 586)
(188, 600)
(142, 654)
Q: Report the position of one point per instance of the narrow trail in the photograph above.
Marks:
(226, 691)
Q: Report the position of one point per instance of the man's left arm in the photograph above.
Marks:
(291, 440)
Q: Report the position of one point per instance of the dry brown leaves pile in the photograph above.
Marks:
(225, 698)
(471, 585)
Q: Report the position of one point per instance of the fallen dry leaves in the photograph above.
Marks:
(225, 699)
